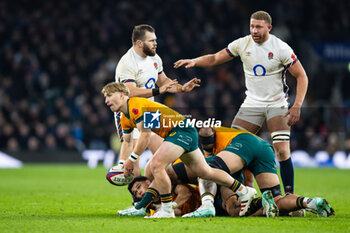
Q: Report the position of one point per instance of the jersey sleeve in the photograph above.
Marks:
(287, 56)
(234, 49)
(159, 62)
(126, 126)
(125, 72)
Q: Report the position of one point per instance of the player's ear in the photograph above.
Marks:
(269, 27)
(139, 43)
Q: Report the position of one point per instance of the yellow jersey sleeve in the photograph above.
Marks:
(126, 124)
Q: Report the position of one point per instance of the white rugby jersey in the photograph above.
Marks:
(142, 71)
(264, 66)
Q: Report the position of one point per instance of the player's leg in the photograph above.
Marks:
(155, 142)
(315, 205)
(277, 125)
(250, 118)
(207, 191)
(230, 202)
(280, 134)
(248, 178)
(218, 172)
(243, 124)
(270, 188)
(153, 146)
(167, 153)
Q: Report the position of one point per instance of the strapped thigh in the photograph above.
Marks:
(280, 136)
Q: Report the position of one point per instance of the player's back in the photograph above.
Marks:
(224, 136)
(155, 116)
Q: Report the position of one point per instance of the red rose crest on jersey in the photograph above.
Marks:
(155, 66)
(270, 56)
(135, 111)
(293, 57)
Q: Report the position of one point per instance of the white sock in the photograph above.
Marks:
(207, 200)
(243, 191)
(309, 203)
(167, 206)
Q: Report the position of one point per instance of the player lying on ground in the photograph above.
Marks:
(186, 198)
(239, 149)
(180, 141)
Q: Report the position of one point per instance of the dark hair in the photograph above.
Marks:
(136, 179)
(139, 32)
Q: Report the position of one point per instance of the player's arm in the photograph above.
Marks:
(138, 92)
(299, 73)
(183, 195)
(126, 147)
(140, 147)
(147, 93)
(163, 80)
(205, 61)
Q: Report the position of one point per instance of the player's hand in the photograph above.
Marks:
(168, 86)
(190, 85)
(294, 115)
(188, 63)
(128, 167)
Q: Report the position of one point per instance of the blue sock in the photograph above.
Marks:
(287, 175)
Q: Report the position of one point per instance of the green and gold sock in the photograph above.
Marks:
(148, 198)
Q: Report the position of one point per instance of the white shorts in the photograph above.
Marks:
(257, 112)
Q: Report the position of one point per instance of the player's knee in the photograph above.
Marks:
(281, 149)
(282, 154)
(155, 166)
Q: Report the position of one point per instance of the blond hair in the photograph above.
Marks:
(262, 15)
(114, 87)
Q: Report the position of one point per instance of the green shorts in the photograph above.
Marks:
(187, 138)
(257, 153)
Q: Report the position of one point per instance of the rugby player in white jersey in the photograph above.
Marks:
(265, 61)
(141, 69)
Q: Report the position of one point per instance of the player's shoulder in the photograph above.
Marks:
(127, 59)
(156, 58)
(138, 102)
(244, 40)
(277, 41)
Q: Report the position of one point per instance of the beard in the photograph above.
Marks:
(149, 52)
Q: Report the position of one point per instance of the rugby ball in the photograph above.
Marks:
(115, 176)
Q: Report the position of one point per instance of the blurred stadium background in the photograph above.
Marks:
(55, 56)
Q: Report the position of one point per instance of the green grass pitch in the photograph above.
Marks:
(73, 198)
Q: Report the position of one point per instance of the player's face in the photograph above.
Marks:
(259, 30)
(138, 190)
(114, 101)
(149, 44)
